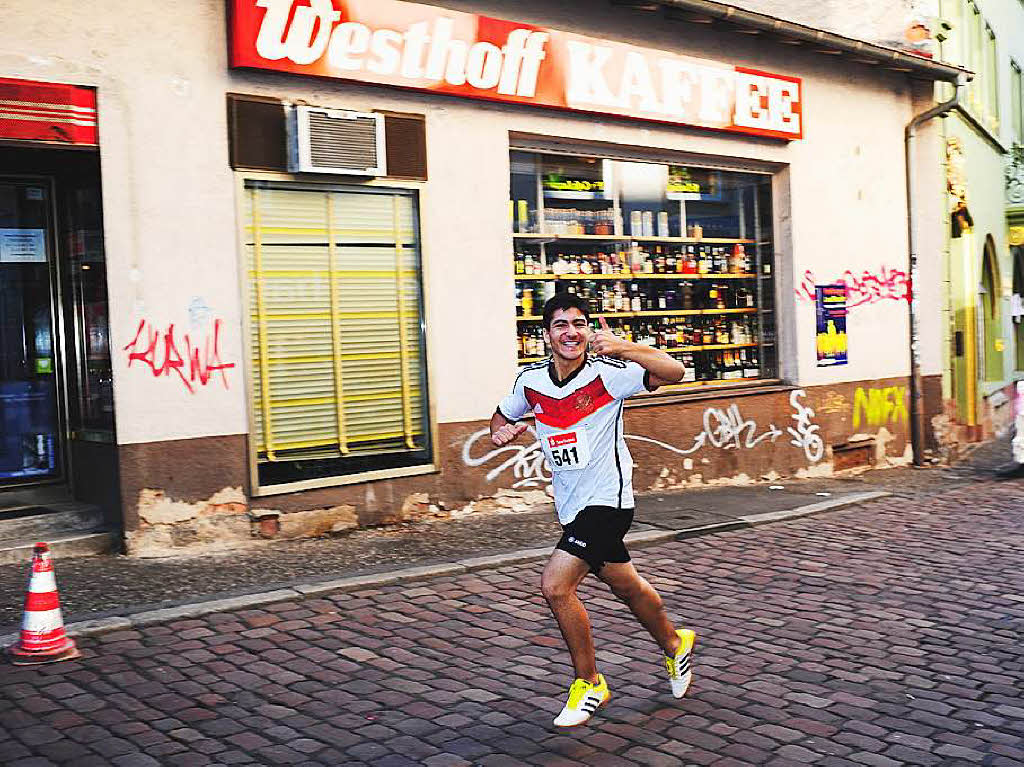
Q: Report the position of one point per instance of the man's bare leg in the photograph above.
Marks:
(562, 575)
(645, 603)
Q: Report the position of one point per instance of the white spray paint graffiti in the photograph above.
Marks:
(527, 461)
(805, 434)
(726, 429)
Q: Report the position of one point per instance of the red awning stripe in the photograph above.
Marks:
(49, 112)
(48, 105)
(5, 115)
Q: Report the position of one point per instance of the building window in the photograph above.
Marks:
(991, 79)
(676, 256)
(1017, 102)
(338, 367)
(991, 314)
(1017, 306)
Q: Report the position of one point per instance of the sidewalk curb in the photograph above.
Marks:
(460, 567)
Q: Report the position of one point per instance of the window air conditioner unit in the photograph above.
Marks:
(335, 141)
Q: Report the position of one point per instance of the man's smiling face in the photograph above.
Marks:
(568, 333)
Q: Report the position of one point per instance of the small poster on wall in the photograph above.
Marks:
(830, 306)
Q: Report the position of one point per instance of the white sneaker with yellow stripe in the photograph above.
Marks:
(584, 699)
(680, 672)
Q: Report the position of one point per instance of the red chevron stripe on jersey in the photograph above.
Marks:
(563, 413)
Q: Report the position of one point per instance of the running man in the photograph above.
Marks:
(577, 402)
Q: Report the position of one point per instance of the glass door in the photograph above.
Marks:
(30, 422)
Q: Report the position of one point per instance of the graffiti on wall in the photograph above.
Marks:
(864, 288)
(723, 428)
(879, 406)
(193, 358)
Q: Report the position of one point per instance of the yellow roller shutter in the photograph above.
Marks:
(335, 309)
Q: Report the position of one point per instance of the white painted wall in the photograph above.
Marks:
(170, 204)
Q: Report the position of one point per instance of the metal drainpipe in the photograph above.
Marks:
(916, 395)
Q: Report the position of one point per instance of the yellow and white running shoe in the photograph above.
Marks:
(679, 671)
(584, 699)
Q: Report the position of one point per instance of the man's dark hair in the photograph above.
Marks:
(563, 300)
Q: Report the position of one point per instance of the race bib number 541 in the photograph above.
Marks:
(567, 450)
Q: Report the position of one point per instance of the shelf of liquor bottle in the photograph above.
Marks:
(653, 313)
(636, 276)
(705, 348)
(670, 350)
(631, 238)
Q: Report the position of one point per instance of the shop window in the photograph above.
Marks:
(338, 367)
(1017, 306)
(992, 319)
(675, 256)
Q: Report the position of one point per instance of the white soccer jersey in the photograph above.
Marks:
(579, 425)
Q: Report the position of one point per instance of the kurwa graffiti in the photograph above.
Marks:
(192, 362)
(864, 288)
(879, 406)
(724, 428)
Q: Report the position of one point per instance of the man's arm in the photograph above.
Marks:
(662, 368)
(504, 431)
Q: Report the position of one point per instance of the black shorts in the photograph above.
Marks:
(595, 536)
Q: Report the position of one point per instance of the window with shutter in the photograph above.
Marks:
(336, 330)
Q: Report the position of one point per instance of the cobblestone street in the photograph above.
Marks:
(884, 634)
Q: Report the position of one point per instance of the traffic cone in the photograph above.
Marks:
(43, 639)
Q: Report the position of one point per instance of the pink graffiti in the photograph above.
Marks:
(865, 288)
(160, 351)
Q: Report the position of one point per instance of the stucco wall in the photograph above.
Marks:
(170, 200)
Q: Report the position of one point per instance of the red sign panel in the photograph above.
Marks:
(424, 47)
(59, 114)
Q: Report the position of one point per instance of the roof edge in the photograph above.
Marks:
(889, 57)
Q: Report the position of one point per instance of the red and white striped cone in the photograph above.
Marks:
(43, 639)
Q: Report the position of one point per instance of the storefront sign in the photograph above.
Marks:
(831, 324)
(51, 112)
(424, 47)
(21, 246)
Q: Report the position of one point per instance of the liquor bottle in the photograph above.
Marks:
(661, 300)
(659, 261)
(707, 332)
(686, 295)
(712, 297)
(670, 263)
(680, 334)
(703, 260)
(720, 301)
(689, 368)
(739, 259)
(634, 299)
(527, 302)
(690, 264)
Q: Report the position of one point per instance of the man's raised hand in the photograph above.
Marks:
(604, 341)
(507, 433)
